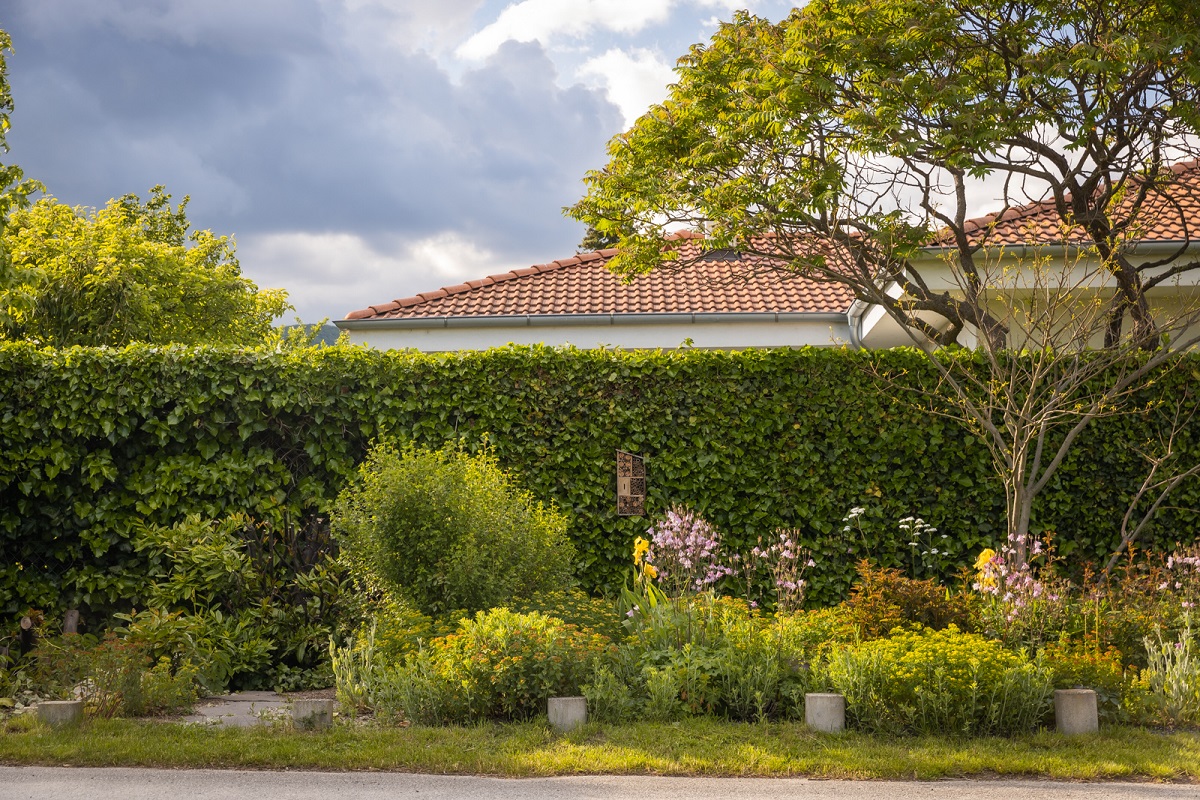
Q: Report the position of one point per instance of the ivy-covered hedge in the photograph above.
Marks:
(94, 442)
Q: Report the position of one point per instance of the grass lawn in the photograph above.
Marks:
(695, 747)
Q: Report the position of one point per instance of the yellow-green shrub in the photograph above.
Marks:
(449, 530)
(940, 682)
(499, 665)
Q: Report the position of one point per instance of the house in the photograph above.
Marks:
(1161, 241)
(718, 300)
(728, 300)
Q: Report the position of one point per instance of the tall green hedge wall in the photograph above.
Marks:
(94, 442)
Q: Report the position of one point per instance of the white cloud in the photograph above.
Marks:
(541, 20)
(332, 274)
(633, 80)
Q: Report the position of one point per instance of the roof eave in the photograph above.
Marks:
(573, 320)
(1147, 248)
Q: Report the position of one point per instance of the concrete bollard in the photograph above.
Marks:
(60, 712)
(1075, 711)
(312, 715)
(825, 712)
(567, 713)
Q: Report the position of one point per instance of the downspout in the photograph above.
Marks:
(854, 321)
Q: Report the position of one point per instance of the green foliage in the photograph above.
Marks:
(576, 608)
(1083, 666)
(499, 665)
(129, 272)
(355, 672)
(249, 602)
(1171, 678)
(113, 676)
(941, 682)
(449, 530)
(884, 599)
(15, 189)
(811, 636)
(704, 655)
(98, 442)
(815, 125)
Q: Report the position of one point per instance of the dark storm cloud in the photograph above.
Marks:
(276, 117)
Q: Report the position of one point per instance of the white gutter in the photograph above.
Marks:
(1157, 247)
(555, 320)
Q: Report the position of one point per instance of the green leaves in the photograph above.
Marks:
(96, 442)
(129, 272)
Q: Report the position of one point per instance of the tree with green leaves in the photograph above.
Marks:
(855, 142)
(15, 188)
(129, 272)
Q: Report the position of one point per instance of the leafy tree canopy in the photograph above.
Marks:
(129, 272)
(863, 123)
(15, 189)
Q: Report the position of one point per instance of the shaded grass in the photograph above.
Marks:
(695, 747)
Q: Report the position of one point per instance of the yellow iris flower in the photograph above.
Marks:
(986, 579)
(984, 557)
(640, 548)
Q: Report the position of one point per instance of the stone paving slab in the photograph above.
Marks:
(240, 710)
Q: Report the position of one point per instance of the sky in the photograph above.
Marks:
(357, 150)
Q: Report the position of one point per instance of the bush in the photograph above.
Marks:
(810, 636)
(499, 665)
(884, 599)
(1171, 679)
(1085, 666)
(448, 530)
(113, 676)
(704, 655)
(253, 604)
(97, 441)
(940, 682)
(577, 608)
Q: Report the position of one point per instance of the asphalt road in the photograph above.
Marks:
(46, 783)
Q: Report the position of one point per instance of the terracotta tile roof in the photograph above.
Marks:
(718, 283)
(1169, 215)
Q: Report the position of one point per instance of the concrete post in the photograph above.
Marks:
(1075, 711)
(60, 712)
(312, 715)
(825, 712)
(567, 713)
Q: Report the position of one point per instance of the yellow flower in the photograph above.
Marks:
(987, 580)
(984, 557)
(650, 571)
(640, 548)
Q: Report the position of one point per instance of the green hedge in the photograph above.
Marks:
(95, 441)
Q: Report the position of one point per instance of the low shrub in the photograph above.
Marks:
(940, 682)
(714, 654)
(1076, 665)
(252, 603)
(448, 530)
(576, 608)
(1171, 679)
(113, 676)
(499, 665)
(884, 598)
(811, 636)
